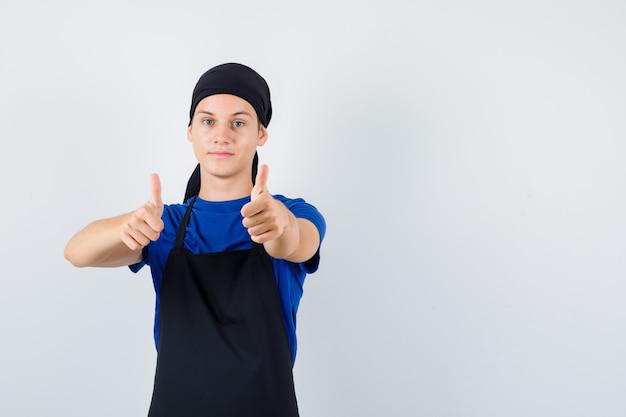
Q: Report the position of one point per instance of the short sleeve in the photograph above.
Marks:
(312, 264)
(144, 261)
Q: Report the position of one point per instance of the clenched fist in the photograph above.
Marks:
(264, 216)
(145, 224)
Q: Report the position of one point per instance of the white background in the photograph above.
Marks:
(468, 158)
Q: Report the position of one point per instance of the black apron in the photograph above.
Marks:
(223, 348)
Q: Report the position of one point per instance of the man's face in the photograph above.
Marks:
(225, 133)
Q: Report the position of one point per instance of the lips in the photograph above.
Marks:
(220, 154)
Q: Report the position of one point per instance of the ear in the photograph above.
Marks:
(189, 133)
(262, 135)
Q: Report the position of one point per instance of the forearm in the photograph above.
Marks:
(298, 242)
(100, 244)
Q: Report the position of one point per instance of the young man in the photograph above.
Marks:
(228, 264)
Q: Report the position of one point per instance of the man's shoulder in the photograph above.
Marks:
(288, 200)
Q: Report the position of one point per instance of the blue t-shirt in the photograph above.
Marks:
(217, 227)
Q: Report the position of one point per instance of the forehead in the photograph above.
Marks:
(226, 104)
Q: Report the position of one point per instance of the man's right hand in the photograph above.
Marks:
(145, 224)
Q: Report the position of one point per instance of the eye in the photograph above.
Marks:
(238, 124)
(207, 122)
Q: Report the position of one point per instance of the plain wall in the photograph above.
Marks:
(468, 158)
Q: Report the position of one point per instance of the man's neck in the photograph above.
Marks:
(224, 189)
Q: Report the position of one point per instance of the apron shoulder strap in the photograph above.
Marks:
(180, 235)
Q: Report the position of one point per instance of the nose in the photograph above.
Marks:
(221, 133)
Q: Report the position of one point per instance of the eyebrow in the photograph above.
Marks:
(239, 113)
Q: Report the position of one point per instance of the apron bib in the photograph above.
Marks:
(223, 349)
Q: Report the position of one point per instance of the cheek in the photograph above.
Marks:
(197, 136)
(196, 151)
(195, 144)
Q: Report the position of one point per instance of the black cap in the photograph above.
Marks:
(238, 80)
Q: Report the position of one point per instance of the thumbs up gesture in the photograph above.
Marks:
(265, 217)
(144, 224)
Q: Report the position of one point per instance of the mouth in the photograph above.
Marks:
(220, 154)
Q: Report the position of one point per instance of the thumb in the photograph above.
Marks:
(155, 190)
(260, 184)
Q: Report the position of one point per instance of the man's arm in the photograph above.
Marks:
(271, 223)
(118, 241)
